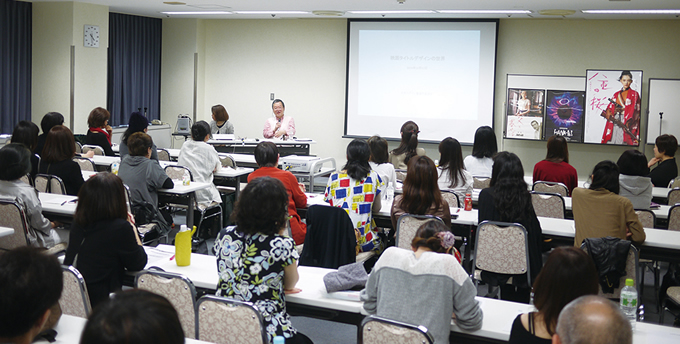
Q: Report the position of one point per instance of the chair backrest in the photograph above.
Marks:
(503, 248)
(177, 289)
(57, 186)
(551, 187)
(74, 298)
(378, 330)
(97, 149)
(27, 179)
(13, 215)
(548, 204)
(451, 198)
(178, 172)
(330, 241)
(227, 161)
(225, 321)
(79, 147)
(85, 164)
(163, 154)
(674, 218)
(674, 196)
(42, 182)
(646, 217)
(632, 271)
(407, 225)
(480, 182)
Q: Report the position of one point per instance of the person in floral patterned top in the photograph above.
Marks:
(357, 190)
(255, 262)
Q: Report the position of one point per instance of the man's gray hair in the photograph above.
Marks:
(593, 319)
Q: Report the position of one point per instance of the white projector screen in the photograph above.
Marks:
(439, 74)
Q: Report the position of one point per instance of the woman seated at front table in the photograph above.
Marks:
(421, 194)
(100, 131)
(15, 160)
(57, 159)
(633, 181)
(452, 173)
(356, 189)
(137, 124)
(144, 176)
(202, 160)
(509, 200)
(599, 211)
(568, 274)
(280, 126)
(220, 121)
(104, 239)
(256, 262)
(408, 147)
(664, 154)
(555, 167)
(480, 163)
(379, 160)
(267, 158)
(424, 286)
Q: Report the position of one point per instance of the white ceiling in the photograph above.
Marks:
(152, 8)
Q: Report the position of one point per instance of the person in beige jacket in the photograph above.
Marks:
(599, 211)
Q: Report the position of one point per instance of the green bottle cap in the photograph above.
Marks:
(629, 282)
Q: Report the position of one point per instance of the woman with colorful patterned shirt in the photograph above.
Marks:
(255, 261)
(357, 190)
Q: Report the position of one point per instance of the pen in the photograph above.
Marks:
(173, 257)
(64, 202)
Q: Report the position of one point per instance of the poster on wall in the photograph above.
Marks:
(564, 114)
(613, 107)
(525, 114)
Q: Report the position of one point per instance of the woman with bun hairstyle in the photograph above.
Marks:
(408, 147)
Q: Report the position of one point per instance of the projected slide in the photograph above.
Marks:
(438, 74)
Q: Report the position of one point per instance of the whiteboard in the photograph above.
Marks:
(663, 95)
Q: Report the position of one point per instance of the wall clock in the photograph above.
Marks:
(91, 36)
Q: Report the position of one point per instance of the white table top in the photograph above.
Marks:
(5, 231)
(58, 204)
(226, 172)
(256, 141)
(103, 160)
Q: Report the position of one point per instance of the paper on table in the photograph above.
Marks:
(349, 295)
(60, 201)
(156, 256)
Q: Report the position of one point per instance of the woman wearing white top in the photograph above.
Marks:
(452, 173)
(480, 163)
(202, 160)
(379, 160)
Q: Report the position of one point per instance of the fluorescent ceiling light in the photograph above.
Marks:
(271, 12)
(393, 12)
(197, 13)
(485, 11)
(667, 11)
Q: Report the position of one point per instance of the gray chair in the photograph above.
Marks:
(548, 204)
(85, 164)
(13, 215)
(674, 196)
(379, 330)
(212, 210)
(74, 298)
(407, 225)
(480, 182)
(452, 198)
(97, 149)
(225, 321)
(163, 154)
(550, 187)
(49, 183)
(632, 271)
(227, 161)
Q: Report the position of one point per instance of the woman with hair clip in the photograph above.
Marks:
(202, 160)
(599, 211)
(356, 189)
(408, 147)
(452, 173)
(220, 121)
(568, 274)
(555, 167)
(424, 286)
(57, 159)
(509, 200)
(480, 163)
(421, 194)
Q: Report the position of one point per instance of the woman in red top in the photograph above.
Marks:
(555, 167)
(267, 158)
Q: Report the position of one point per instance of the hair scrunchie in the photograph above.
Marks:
(447, 239)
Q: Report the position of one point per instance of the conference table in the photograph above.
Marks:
(314, 300)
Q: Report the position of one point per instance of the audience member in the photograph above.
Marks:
(99, 132)
(48, 121)
(202, 160)
(452, 173)
(555, 167)
(145, 176)
(421, 194)
(509, 200)
(356, 188)
(480, 163)
(592, 320)
(379, 160)
(633, 181)
(30, 288)
(599, 211)
(425, 286)
(279, 127)
(137, 124)
(15, 162)
(408, 147)
(664, 154)
(220, 121)
(57, 159)
(267, 158)
(255, 261)
(104, 240)
(26, 133)
(568, 274)
(134, 316)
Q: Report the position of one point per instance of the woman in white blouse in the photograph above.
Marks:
(202, 160)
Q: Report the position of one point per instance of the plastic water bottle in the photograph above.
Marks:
(114, 168)
(389, 192)
(279, 340)
(629, 302)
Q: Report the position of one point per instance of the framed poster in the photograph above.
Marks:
(525, 114)
(564, 114)
(613, 107)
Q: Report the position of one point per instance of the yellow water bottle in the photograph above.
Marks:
(183, 245)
